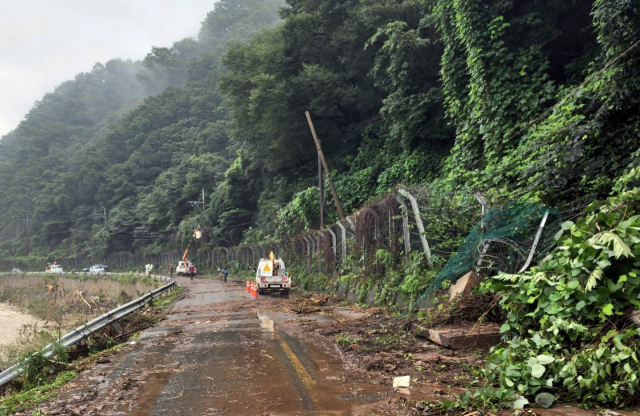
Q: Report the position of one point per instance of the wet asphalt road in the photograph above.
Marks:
(218, 353)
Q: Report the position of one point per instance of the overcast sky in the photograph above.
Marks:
(46, 42)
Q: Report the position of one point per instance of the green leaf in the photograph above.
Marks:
(553, 309)
(592, 281)
(566, 225)
(607, 309)
(604, 263)
(504, 328)
(607, 238)
(626, 224)
(573, 284)
(545, 400)
(545, 359)
(512, 371)
(537, 371)
(520, 402)
(580, 305)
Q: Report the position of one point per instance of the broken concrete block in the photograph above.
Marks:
(464, 285)
(399, 382)
(461, 337)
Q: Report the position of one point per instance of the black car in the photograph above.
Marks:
(85, 270)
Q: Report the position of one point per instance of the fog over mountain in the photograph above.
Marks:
(43, 42)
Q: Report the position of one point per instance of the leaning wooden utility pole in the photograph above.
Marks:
(326, 168)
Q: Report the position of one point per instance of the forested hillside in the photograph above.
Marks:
(480, 94)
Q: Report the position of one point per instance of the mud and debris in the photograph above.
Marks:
(219, 351)
(310, 303)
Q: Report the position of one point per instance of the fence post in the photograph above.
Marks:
(306, 240)
(344, 241)
(416, 213)
(227, 251)
(405, 225)
(333, 241)
(485, 209)
(376, 226)
(352, 224)
(535, 242)
(318, 236)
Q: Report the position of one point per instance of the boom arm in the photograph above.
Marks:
(184, 256)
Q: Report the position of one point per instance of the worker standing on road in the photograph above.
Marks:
(192, 271)
(171, 269)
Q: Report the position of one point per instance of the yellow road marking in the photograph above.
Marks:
(299, 368)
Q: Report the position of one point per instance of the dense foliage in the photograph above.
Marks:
(569, 332)
(401, 91)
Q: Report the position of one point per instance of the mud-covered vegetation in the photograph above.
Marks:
(43, 376)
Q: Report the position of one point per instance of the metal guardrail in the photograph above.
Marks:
(87, 329)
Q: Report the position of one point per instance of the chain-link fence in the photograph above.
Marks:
(454, 231)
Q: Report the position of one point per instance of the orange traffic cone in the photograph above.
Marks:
(248, 286)
(255, 291)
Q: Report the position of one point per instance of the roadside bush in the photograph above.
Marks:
(568, 334)
(40, 370)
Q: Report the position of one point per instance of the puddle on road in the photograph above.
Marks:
(266, 323)
(334, 389)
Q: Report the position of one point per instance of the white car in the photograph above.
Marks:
(56, 269)
(97, 270)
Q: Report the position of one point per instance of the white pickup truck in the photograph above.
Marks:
(272, 276)
(56, 268)
(183, 268)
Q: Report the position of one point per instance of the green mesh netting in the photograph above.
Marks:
(510, 230)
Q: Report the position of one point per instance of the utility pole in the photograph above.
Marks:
(201, 205)
(326, 168)
(104, 216)
(28, 248)
(321, 188)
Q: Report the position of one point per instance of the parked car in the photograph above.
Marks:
(56, 269)
(105, 267)
(16, 271)
(97, 270)
(86, 270)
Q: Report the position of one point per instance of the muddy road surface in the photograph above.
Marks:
(221, 352)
